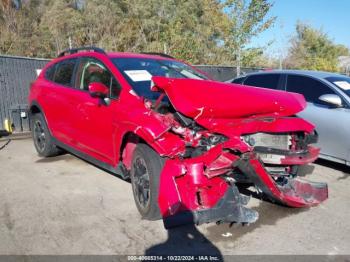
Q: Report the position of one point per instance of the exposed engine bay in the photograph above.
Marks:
(212, 143)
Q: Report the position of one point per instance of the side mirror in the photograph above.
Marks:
(153, 87)
(97, 89)
(331, 99)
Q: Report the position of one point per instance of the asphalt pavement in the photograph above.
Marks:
(63, 205)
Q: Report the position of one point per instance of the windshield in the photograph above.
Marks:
(139, 71)
(343, 82)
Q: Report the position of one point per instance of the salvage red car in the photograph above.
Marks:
(183, 140)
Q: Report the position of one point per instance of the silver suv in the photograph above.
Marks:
(328, 97)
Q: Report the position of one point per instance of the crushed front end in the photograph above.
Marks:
(199, 177)
(203, 188)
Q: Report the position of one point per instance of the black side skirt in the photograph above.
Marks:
(120, 170)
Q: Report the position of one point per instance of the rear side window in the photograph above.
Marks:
(311, 88)
(266, 81)
(64, 72)
(50, 73)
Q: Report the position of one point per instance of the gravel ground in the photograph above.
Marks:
(63, 205)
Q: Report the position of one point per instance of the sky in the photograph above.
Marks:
(333, 16)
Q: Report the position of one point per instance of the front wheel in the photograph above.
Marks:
(145, 173)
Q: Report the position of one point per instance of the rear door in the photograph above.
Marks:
(57, 97)
(332, 124)
(270, 81)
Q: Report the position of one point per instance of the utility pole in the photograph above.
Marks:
(281, 36)
(238, 65)
(281, 66)
(70, 42)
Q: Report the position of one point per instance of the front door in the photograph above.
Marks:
(332, 124)
(96, 117)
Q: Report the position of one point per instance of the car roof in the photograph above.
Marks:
(118, 55)
(317, 74)
(137, 55)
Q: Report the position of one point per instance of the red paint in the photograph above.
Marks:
(98, 89)
(79, 120)
(127, 154)
(202, 99)
(310, 157)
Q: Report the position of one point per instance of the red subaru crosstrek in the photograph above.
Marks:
(184, 140)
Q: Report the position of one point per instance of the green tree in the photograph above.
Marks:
(313, 49)
(198, 31)
(254, 57)
(186, 29)
(247, 19)
(16, 28)
(59, 23)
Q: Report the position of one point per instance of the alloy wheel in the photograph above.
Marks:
(141, 182)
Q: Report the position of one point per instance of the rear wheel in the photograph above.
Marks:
(43, 141)
(145, 172)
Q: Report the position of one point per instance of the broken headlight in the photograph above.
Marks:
(205, 143)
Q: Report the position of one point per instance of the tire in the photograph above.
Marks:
(146, 163)
(42, 138)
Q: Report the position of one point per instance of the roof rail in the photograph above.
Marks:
(87, 48)
(158, 54)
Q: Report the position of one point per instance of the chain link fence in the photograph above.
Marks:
(225, 73)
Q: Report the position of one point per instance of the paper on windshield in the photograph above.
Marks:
(343, 85)
(139, 75)
(190, 75)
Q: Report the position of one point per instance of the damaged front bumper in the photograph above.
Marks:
(294, 192)
(202, 189)
(230, 208)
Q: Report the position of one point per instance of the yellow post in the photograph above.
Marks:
(8, 125)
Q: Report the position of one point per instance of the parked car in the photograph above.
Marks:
(328, 99)
(183, 140)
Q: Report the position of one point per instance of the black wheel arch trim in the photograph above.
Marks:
(36, 104)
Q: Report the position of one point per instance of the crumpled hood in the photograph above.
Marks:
(211, 99)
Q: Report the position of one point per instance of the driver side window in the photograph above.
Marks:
(92, 70)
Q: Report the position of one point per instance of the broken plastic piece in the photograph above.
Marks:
(230, 208)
